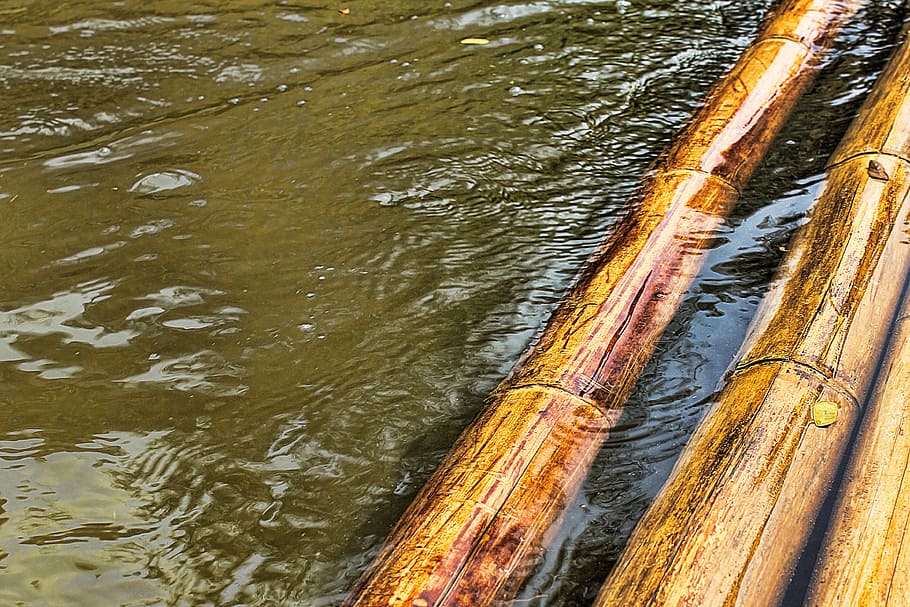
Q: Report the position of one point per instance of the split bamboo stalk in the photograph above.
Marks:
(732, 520)
(478, 525)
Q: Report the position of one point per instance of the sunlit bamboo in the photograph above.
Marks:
(865, 556)
(734, 517)
(475, 529)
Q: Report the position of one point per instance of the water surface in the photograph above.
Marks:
(262, 261)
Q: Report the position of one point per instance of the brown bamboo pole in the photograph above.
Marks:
(730, 523)
(865, 558)
(474, 530)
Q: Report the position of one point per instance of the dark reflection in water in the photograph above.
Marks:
(262, 262)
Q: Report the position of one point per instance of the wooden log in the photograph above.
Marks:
(477, 526)
(734, 516)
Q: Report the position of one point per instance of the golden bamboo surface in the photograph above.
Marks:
(865, 558)
(732, 520)
(477, 526)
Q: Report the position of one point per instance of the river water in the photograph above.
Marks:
(262, 261)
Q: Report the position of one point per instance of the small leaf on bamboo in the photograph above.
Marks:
(475, 41)
(824, 413)
(877, 171)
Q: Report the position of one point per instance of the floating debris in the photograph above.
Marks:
(877, 171)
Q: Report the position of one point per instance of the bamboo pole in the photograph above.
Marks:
(865, 558)
(730, 523)
(477, 526)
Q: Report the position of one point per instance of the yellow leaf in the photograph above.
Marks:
(475, 41)
(824, 413)
(344, 11)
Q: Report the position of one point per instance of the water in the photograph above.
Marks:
(261, 263)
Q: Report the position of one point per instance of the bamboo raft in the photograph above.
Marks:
(736, 513)
(865, 557)
(732, 520)
(476, 528)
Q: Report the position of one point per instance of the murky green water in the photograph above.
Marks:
(261, 262)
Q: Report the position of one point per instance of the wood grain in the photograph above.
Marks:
(477, 526)
(733, 518)
(865, 558)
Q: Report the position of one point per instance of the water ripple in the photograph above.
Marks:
(262, 263)
(61, 316)
(206, 372)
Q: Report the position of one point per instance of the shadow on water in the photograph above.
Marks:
(263, 262)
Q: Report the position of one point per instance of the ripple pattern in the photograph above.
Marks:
(262, 262)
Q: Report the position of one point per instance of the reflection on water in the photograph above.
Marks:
(262, 261)
(59, 315)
